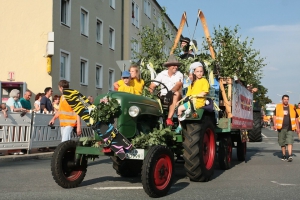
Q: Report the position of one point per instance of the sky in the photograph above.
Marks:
(274, 25)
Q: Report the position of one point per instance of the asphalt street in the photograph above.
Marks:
(262, 176)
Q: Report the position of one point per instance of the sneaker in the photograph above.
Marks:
(290, 159)
(178, 129)
(283, 158)
(169, 122)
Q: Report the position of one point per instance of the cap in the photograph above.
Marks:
(125, 74)
(194, 65)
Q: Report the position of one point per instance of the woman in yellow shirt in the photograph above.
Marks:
(135, 80)
(199, 86)
(126, 87)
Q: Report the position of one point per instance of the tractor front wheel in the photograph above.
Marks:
(157, 171)
(65, 171)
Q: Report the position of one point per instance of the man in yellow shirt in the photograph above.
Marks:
(126, 86)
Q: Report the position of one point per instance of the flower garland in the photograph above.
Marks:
(106, 110)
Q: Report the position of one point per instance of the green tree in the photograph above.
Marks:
(261, 95)
(152, 41)
(234, 56)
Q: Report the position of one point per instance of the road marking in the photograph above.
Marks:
(264, 135)
(283, 184)
(117, 188)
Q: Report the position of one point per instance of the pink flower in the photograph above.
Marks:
(104, 100)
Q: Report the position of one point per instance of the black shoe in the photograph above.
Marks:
(290, 159)
(283, 158)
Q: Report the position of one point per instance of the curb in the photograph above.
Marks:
(26, 157)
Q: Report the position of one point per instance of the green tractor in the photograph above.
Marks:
(141, 115)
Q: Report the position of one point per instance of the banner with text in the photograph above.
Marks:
(242, 110)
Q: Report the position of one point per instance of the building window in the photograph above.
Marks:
(135, 14)
(83, 71)
(99, 31)
(134, 48)
(159, 23)
(154, 11)
(111, 38)
(64, 70)
(111, 79)
(65, 11)
(99, 76)
(84, 22)
(112, 3)
(147, 8)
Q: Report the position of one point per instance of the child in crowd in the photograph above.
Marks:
(3, 108)
(199, 86)
(126, 86)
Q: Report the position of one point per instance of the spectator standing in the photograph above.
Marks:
(298, 112)
(126, 87)
(4, 109)
(46, 105)
(67, 117)
(25, 101)
(285, 122)
(13, 102)
(37, 102)
(55, 103)
(91, 99)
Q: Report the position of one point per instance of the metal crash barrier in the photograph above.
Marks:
(32, 131)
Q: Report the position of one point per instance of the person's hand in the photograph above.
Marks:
(51, 122)
(78, 131)
(274, 128)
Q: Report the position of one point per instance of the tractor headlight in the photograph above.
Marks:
(133, 111)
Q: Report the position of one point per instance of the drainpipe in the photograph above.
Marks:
(122, 34)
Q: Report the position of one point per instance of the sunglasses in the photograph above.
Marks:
(126, 77)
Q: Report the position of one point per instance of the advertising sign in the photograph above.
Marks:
(242, 110)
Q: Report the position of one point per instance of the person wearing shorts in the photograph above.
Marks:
(286, 123)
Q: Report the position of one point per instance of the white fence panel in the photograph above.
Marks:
(15, 131)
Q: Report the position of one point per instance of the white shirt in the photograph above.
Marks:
(169, 81)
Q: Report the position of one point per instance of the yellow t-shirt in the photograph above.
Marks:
(126, 88)
(138, 85)
(200, 85)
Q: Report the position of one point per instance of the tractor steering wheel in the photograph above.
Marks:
(157, 90)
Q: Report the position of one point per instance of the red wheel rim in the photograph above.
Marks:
(74, 175)
(71, 173)
(163, 172)
(208, 148)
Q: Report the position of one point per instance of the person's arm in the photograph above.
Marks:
(179, 83)
(274, 120)
(78, 129)
(43, 105)
(54, 118)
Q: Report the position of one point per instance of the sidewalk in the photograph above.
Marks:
(35, 154)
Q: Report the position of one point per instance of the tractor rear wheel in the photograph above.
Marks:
(199, 149)
(157, 171)
(241, 150)
(127, 168)
(225, 152)
(254, 135)
(65, 172)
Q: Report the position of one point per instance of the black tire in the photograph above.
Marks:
(254, 135)
(127, 168)
(241, 150)
(64, 171)
(157, 171)
(225, 152)
(199, 150)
